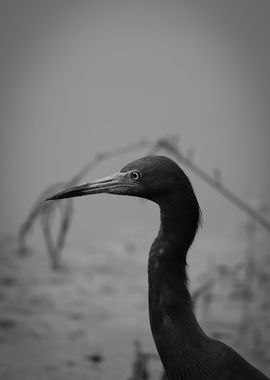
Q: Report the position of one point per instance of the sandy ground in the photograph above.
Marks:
(51, 324)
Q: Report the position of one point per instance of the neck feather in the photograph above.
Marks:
(174, 326)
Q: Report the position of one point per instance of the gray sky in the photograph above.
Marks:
(86, 76)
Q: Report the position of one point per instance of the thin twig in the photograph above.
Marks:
(169, 144)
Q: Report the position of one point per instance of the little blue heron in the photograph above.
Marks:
(185, 350)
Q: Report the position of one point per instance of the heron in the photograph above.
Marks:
(185, 350)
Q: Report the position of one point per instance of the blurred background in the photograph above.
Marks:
(80, 78)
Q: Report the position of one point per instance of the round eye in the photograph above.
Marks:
(135, 175)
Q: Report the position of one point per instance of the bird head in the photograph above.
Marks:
(156, 178)
(151, 177)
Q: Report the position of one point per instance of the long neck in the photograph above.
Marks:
(175, 329)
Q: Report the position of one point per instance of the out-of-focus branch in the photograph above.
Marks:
(46, 212)
(169, 144)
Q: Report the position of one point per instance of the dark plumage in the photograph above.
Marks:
(185, 350)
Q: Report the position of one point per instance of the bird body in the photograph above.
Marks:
(186, 352)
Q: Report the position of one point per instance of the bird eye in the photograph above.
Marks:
(135, 175)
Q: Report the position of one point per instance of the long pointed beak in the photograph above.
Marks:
(112, 184)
